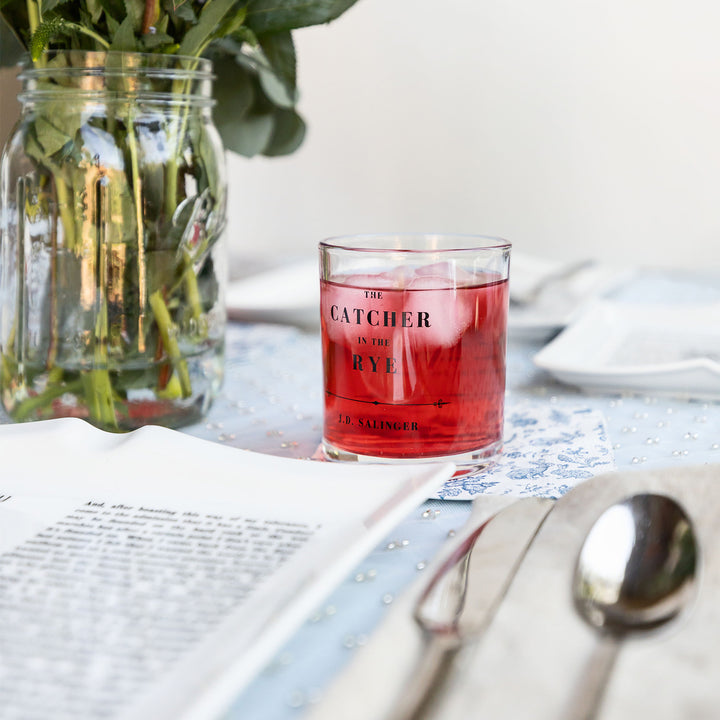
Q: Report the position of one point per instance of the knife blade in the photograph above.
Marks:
(477, 566)
(462, 597)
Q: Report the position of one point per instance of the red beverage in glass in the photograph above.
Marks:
(414, 363)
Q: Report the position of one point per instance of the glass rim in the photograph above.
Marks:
(128, 62)
(446, 242)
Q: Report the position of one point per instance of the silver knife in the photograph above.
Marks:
(407, 658)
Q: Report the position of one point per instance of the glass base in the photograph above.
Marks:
(468, 463)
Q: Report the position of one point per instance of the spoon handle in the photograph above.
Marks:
(588, 696)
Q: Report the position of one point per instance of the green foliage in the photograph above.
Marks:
(249, 41)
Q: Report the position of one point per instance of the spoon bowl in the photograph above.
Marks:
(637, 566)
(636, 571)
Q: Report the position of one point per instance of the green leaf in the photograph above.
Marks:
(154, 41)
(251, 134)
(135, 9)
(51, 138)
(113, 9)
(50, 5)
(288, 133)
(180, 11)
(279, 49)
(278, 81)
(232, 23)
(233, 86)
(270, 16)
(95, 9)
(162, 24)
(113, 25)
(198, 37)
(124, 38)
(235, 97)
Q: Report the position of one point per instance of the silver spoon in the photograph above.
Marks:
(636, 571)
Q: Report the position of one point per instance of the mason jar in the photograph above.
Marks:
(112, 260)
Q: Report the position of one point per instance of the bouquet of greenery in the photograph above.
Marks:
(117, 206)
(249, 42)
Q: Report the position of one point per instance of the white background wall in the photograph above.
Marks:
(570, 128)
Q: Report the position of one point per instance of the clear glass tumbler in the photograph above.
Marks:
(414, 334)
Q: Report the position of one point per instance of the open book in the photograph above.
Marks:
(151, 575)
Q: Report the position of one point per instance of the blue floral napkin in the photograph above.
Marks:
(548, 449)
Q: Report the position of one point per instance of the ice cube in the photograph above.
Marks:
(345, 308)
(450, 272)
(449, 313)
(368, 281)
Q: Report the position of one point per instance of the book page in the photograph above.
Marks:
(153, 574)
(99, 604)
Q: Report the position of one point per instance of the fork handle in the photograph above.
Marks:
(428, 679)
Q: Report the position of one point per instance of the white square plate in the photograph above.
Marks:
(663, 349)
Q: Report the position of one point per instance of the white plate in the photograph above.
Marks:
(560, 301)
(289, 294)
(670, 350)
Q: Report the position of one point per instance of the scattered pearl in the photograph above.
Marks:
(387, 599)
(321, 615)
(296, 699)
(365, 576)
(421, 565)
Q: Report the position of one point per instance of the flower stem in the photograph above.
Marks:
(168, 333)
(137, 194)
(34, 18)
(26, 409)
(97, 384)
